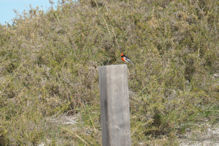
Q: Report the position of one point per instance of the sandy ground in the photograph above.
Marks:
(210, 137)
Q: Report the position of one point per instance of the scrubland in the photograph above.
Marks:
(49, 70)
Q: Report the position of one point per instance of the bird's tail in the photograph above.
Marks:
(130, 61)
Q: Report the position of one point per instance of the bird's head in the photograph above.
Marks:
(122, 54)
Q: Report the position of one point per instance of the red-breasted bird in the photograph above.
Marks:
(126, 59)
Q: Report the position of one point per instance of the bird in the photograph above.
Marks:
(126, 59)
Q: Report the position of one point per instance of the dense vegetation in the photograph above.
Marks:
(49, 60)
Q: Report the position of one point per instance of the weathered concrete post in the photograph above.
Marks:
(115, 119)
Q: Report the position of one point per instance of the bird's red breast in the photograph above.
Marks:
(123, 59)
